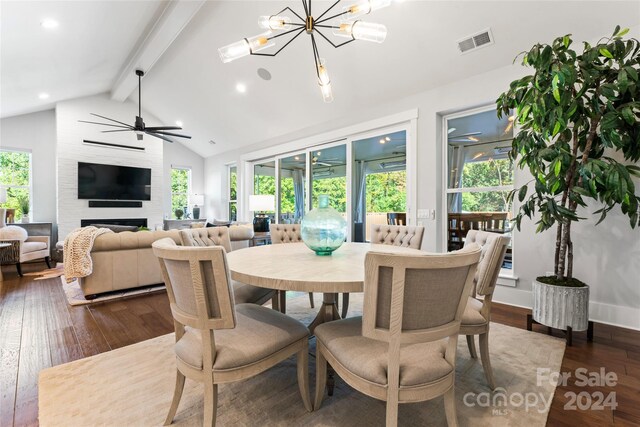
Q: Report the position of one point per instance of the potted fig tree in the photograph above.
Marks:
(579, 136)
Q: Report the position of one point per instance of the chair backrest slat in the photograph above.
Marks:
(494, 246)
(416, 298)
(198, 284)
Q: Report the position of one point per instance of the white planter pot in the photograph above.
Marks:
(561, 306)
(25, 219)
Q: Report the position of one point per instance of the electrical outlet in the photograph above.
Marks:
(420, 223)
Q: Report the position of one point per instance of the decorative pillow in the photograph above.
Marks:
(12, 232)
(197, 224)
(219, 224)
(117, 228)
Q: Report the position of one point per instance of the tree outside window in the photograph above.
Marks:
(15, 176)
(233, 193)
(180, 189)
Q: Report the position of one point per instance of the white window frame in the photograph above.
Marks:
(508, 274)
(189, 174)
(28, 187)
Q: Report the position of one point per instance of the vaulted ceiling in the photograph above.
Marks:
(96, 40)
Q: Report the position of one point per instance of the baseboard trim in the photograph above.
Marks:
(609, 314)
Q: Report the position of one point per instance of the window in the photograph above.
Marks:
(233, 193)
(15, 176)
(180, 190)
(480, 176)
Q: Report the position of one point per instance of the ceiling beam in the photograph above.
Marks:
(173, 18)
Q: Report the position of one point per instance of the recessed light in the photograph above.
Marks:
(387, 138)
(43, 95)
(241, 87)
(382, 141)
(178, 123)
(296, 158)
(49, 24)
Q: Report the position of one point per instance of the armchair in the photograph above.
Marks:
(23, 247)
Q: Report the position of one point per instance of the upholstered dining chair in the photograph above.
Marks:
(477, 315)
(218, 341)
(397, 235)
(291, 233)
(403, 349)
(219, 236)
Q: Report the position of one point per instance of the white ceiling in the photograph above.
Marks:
(81, 57)
(191, 84)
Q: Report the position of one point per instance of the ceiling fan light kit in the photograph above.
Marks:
(279, 25)
(139, 128)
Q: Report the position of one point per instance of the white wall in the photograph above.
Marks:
(36, 133)
(605, 255)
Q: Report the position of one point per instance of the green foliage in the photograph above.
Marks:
(23, 203)
(387, 192)
(335, 188)
(178, 213)
(491, 173)
(574, 113)
(15, 172)
(179, 190)
(233, 183)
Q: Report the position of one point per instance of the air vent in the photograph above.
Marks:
(475, 41)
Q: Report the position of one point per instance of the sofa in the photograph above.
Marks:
(125, 260)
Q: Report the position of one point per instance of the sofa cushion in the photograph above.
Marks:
(241, 232)
(26, 247)
(12, 232)
(131, 240)
(259, 332)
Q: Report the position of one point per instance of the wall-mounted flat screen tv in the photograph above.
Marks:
(110, 182)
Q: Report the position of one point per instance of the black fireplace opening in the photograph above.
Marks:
(138, 222)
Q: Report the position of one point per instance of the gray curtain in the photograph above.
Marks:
(456, 164)
(359, 179)
(298, 191)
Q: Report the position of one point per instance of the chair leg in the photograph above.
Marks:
(177, 395)
(392, 409)
(48, 261)
(345, 304)
(19, 268)
(275, 302)
(450, 407)
(210, 403)
(303, 377)
(311, 300)
(282, 301)
(321, 378)
(472, 346)
(486, 363)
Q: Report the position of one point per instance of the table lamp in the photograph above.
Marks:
(198, 200)
(3, 212)
(259, 204)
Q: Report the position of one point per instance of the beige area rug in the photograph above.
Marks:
(133, 386)
(75, 296)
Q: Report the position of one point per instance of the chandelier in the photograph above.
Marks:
(279, 25)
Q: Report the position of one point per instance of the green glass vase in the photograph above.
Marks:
(323, 228)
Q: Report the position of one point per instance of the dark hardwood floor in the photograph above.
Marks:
(38, 329)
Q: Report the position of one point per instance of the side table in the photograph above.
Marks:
(2, 246)
(263, 237)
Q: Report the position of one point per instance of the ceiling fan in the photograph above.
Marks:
(139, 127)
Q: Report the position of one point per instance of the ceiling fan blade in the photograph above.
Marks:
(465, 134)
(117, 130)
(155, 128)
(159, 136)
(171, 134)
(107, 124)
(107, 118)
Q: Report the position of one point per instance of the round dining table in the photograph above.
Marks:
(294, 267)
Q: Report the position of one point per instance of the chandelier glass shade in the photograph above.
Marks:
(342, 24)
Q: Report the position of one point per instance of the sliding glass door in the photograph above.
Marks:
(292, 188)
(329, 176)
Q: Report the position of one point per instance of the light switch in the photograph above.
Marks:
(423, 213)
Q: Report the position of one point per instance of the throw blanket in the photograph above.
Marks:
(77, 251)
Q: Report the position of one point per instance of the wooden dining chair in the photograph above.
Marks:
(219, 236)
(477, 315)
(403, 349)
(218, 341)
(291, 233)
